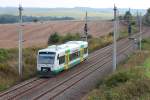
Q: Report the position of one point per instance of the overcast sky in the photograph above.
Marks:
(144, 4)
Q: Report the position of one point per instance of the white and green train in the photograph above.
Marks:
(56, 58)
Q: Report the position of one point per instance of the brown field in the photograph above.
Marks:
(36, 34)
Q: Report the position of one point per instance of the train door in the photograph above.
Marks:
(67, 60)
(81, 54)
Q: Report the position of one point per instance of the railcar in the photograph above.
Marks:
(56, 58)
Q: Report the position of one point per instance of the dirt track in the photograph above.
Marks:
(35, 34)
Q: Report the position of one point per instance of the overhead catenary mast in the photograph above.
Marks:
(140, 28)
(129, 24)
(115, 40)
(20, 42)
(138, 21)
(118, 25)
(86, 28)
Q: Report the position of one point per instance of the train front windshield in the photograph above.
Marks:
(46, 58)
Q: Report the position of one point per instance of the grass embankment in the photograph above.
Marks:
(8, 66)
(131, 81)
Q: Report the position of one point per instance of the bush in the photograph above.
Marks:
(114, 80)
(99, 42)
(123, 76)
(54, 38)
(129, 84)
(70, 37)
(7, 70)
(90, 37)
(3, 55)
(146, 19)
(132, 90)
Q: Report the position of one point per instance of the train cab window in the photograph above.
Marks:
(61, 60)
(85, 50)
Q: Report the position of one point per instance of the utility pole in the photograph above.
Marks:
(140, 32)
(20, 41)
(138, 21)
(114, 40)
(118, 27)
(86, 28)
(129, 25)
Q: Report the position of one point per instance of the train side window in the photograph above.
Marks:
(71, 57)
(78, 53)
(61, 60)
(74, 56)
(85, 50)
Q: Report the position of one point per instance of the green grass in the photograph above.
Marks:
(130, 86)
(9, 66)
(3, 55)
(131, 81)
(146, 44)
(147, 63)
(99, 42)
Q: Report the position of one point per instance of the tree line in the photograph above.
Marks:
(146, 18)
(4, 19)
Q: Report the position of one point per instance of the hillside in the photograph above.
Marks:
(77, 12)
(35, 34)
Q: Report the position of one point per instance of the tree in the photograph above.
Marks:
(71, 37)
(146, 18)
(35, 20)
(54, 38)
(128, 16)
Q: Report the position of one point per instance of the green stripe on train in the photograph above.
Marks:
(82, 46)
(75, 63)
(58, 70)
(54, 72)
(67, 51)
(62, 68)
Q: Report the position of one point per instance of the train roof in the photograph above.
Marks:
(63, 47)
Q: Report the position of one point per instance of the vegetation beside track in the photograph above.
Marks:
(131, 81)
(8, 66)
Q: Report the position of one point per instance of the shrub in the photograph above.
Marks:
(54, 38)
(99, 42)
(123, 76)
(146, 19)
(132, 90)
(5, 83)
(3, 55)
(90, 36)
(124, 85)
(6, 69)
(70, 37)
(114, 80)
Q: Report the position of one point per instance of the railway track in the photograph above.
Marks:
(9, 95)
(20, 90)
(71, 81)
(76, 74)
